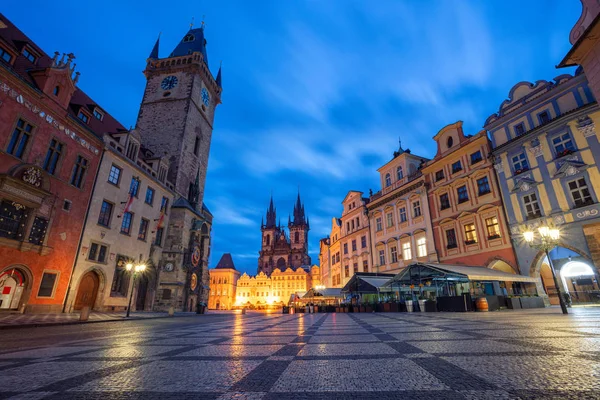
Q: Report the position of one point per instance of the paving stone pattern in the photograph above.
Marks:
(533, 354)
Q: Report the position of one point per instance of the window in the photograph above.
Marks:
(388, 180)
(365, 266)
(493, 227)
(470, 234)
(29, 55)
(159, 235)
(105, 213)
(463, 195)
(421, 247)
(47, 284)
(450, 141)
(483, 186)
(394, 254)
(381, 257)
(363, 242)
(456, 167)
(476, 157)
(52, 156)
(19, 139)
(390, 219)
(532, 207)
(56, 90)
(82, 116)
(580, 192)
(337, 257)
(164, 204)
(439, 175)
(5, 55)
(406, 252)
(196, 145)
(520, 163)
(67, 205)
(348, 226)
(81, 166)
(114, 175)
(519, 129)
(188, 38)
(355, 267)
(97, 253)
(120, 283)
(378, 223)
(346, 271)
(544, 117)
(149, 196)
(403, 214)
(296, 237)
(134, 187)
(38, 231)
(417, 209)
(444, 201)
(563, 144)
(345, 248)
(143, 233)
(451, 239)
(354, 245)
(399, 173)
(98, 115)
(332, 259)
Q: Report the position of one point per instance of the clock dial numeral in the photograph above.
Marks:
(169, 82)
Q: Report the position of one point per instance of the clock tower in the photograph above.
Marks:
(176, 120)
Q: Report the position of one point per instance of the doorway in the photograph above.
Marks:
(12, 286)
(142, 290)
(87, 292)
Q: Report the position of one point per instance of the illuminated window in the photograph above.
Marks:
(406, 251)
(470, 234)
(421, 247)
(493, 227)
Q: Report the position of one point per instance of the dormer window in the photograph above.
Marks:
(98, 114)
(5, 55)
(188, 38)
(56, 91)
(450, 142)
(82, 116)
(29, 55)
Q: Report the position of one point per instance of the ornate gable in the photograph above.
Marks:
(524, 185)
(570, 168)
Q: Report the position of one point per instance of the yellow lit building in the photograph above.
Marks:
(223, 280)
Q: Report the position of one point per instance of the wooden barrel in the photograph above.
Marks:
(481, 304)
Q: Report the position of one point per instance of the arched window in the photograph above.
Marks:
(388, 180)
(450, 141)
(268, 240)
(188, 38)
(297, 237)
(400, 173)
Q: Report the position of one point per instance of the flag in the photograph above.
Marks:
(128, 204)
(161, 221)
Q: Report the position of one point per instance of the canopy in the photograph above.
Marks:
(328, 292)
(420, 272)
(367, 283)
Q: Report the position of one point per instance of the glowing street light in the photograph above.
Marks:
(549, 239)
(138, 268)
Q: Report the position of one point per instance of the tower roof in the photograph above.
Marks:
(299, 215)
(218, 80)
(226, 262)
(154, 52)
(271, 215)
(192, 42)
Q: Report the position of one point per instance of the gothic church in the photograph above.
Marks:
(280, 251)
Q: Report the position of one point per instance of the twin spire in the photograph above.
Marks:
(299, 215)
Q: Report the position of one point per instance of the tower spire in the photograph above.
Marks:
(271, 214)
(154, 52)
(218, 80)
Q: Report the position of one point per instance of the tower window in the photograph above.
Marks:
(450, 142)
(188, 38)
(29, 55)
(196, 145)
(56, 91)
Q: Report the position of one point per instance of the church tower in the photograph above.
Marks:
(299, 227)
(270, 235)
(176, 120)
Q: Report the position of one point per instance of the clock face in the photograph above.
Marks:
(169, 267)
(169, 82)
(205, 97)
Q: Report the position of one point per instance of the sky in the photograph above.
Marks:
(316, 93)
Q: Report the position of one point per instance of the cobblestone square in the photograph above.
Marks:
(536, 354)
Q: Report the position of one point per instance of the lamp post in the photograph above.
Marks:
(137, 268)
(549, 238)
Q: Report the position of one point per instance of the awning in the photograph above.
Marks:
(434, 272)
(367, 283)
(324, 293)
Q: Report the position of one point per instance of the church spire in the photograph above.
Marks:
(154, 52)
(218, 80)
(299, 217)
(271, 215)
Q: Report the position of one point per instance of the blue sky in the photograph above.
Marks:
(316, 93)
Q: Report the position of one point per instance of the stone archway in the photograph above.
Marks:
(15, 287)
(87, 291)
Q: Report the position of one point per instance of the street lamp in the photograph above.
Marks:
(549, 238)
(139, 268)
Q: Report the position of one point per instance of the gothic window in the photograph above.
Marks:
(388, 180)
(399, 173)
(79, 170)
(19, 139)
(297, 237)
(52, 156)
(188, 38)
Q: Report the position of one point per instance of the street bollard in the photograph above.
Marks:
(171, 311)
(85, 314)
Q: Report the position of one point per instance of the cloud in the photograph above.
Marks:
(228, 213)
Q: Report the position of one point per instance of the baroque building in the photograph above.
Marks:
(465, 202)
(277, 249)
(223, 284)
(50, 149)
(176, 121)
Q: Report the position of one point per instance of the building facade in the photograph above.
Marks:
(223, 284)
(176, 120)
(50, 149)
(399, 218)
(277, 249)
(265, 291)
(126, 223)
(465, 202)
(546, 150)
